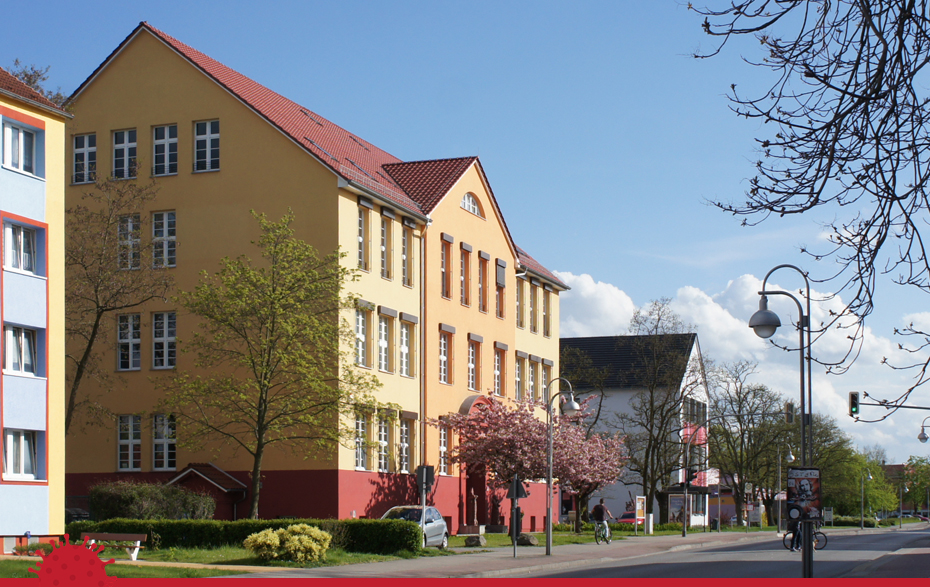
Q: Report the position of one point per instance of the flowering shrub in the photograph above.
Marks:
(298, 543)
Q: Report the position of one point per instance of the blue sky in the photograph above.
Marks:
(602, 139)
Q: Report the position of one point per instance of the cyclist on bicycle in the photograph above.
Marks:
(600, 514)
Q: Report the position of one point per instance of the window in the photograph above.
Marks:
(501, 280)
(470, 203)
(163, 442)
(499, 360)
(164, 239)
(531, 381)
(85, 158)
(130, 241)
(19, 148)
(546, 378)
(164, 353)
(518, 378)
(499, 301)
(406, 349)
(443, 450)
(361, 442)
(407, 256)
(482, 284)
(445, 258)
(19, 455)
(363, 234)
(361, 337)
(519, 300)
(474, 365)
(20, 248)
(385, 346)
(384, 464)
(534, 323)
(465, 278)
(207, 146)
(445, 347)
(124, 154)
(130, 443)
(387, 247)
(547, 314)
(165, 140)
(403, 447)
(20, 355)
(128, 340)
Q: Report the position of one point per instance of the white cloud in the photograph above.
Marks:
(596, 308)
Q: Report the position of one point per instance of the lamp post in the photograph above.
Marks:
(923, 433)
(862, 480)
(790, 459)
(570, 408)
(765, 322)
(901, 493)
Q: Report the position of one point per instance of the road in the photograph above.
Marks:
(899, 554)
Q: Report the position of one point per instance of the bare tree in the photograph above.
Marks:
(110, 268)
(34, 77)
(848, 133)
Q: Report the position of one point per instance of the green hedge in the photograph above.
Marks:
(372, 536)
(125, 499)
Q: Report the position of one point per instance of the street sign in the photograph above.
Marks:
(517, 491)
(425, 477)
(828, 515)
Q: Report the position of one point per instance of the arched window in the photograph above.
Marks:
(470, 203)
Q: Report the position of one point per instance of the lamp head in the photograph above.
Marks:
(868, 475)
(764, 322)
(571, 407)
(790, 457)
(923, 435)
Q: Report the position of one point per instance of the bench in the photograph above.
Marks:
(131, 543)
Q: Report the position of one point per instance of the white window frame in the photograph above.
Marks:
(403, 447)
(547, 312)
(470, 204)
(361, 337)
(129, 441)
(385, 337)
(406, 256)
(20, 252)
(129, 233)
(482, 285)
(129, 341)
(125, 148)
(85, 170)
(546, 377)
(518, 378)
(364, 224)
(519, 304)
(534, 323)
(531, 380)
(498, 372)
(168, 145)
(164, 442)
(445, 344)
(406, 348)
(206, 140)
(20, 354)
(384, 452)
(445, 270)
(387, 247)
(474, 358)
(17, 154)
(20, 450)
(164, 340)
(443, 450)
(465, 278)
(361, 442)
(164, 239)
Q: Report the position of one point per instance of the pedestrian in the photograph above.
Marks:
(794, 526)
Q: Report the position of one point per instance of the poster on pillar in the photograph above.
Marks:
(676, 509)
(804, 495)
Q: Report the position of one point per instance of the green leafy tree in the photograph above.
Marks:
(272, 369)
(917, 477)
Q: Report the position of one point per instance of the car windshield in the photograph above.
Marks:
(412, 514)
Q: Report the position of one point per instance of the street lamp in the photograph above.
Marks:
(862, 479)
(923, 434)
(790, 459)
(569, 408)
(765, 322)
(901, 493)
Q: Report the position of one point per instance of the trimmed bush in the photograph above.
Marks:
(148, 501)
(372, 536)
(298, 542)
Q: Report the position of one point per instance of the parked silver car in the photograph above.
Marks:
(435, 532)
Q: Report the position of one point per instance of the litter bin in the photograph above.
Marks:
(714, 523)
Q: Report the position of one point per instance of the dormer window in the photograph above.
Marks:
(470, 203)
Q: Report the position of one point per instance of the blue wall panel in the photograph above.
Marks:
(24, 403)
(25, 509)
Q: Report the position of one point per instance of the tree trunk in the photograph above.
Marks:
(256, 480)
(79, 372)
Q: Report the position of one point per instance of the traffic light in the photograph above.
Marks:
(854, 404)
(690, 477)
(789, 412)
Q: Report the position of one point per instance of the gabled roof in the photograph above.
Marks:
(625, 357)
(533, 266)
(212, 474)
(345, 153)
(13, 87)
(427, 182)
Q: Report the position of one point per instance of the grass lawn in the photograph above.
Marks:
(19, 569)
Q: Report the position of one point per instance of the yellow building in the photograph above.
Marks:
(32, 191)
(218, 145)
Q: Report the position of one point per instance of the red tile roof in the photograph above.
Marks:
(211, 473)
(426, 182)
(534, 266)
(12, 85)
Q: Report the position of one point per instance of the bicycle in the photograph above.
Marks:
(820, 540)
(602, 532)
